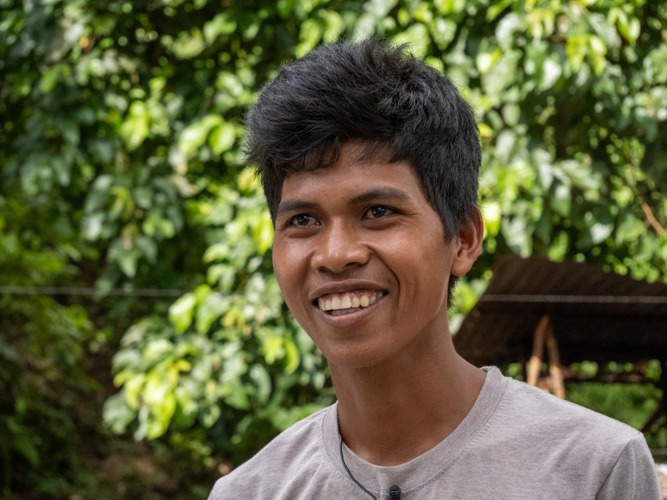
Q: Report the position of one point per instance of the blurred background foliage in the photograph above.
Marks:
(121, 168)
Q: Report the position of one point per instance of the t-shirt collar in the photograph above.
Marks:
(421, 469)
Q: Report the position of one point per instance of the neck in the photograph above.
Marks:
(394, 411)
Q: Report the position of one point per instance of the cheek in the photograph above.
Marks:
(423, 273)
(281, 268)
(289, 271)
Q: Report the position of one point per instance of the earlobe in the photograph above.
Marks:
(470, 237)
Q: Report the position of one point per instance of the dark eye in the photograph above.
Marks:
(302, 220)
(377, 212)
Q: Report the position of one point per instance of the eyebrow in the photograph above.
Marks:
(295, 206)
(386, 193)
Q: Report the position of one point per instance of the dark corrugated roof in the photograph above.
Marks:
(596, 316)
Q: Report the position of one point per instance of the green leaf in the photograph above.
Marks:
(50, 77)
(237, 397)
(26, 447)
(417, 37)
(127, 261)
(181, 312)
(630, 229)
(262, 381)
(496, 8)
(449, 6)
(501, 75)
(117, 413)
(273, 349)
(162, 413)
(210, 415)
(135, 127)
(229, 83)
(133, 386)
(213, 306)
(292, 357)
(597, 52)
(491, 214)
(195, 134)
(487, 59)
(600, 232)
(629, 28)
(576, 48)
(189, 45)
(222, 24)
(263, 233)
(222, 138)
(310, 33)
(562, 200)
(551, 72)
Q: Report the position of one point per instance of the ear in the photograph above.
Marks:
(469, 243)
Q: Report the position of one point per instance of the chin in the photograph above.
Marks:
(354, 355)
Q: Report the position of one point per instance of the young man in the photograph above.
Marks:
(369, 161)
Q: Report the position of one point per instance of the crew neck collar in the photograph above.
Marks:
(378, 479)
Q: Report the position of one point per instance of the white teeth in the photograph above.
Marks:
(348, 302)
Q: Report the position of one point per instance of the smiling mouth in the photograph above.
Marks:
(339, 304)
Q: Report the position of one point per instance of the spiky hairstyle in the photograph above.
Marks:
(377, 93)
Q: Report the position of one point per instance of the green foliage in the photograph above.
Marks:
(632, 404)
(121, 166)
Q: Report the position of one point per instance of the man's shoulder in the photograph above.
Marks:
(536, 409)
(535, 443)
(288, 455)
(540, 427)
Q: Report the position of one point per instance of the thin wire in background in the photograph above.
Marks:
(83, 291)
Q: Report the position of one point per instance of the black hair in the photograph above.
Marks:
(382, 95)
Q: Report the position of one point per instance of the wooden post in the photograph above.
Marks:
(654, 418)
(555, 369)
(538, 351)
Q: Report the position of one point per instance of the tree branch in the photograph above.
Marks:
(651, 218)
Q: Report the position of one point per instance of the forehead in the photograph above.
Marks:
(355, 172)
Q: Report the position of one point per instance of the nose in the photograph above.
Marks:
(339, 248)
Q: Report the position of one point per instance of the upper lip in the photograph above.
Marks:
(344, 286)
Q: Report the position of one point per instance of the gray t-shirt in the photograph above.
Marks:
(516, 443)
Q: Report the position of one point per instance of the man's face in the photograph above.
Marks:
(361, 258)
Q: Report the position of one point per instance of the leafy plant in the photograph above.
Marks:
(121, 167)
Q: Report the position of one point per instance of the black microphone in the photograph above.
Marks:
(395, 492)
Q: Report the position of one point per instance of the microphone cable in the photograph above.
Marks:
(394, 491)
(342, 459)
